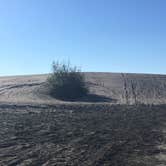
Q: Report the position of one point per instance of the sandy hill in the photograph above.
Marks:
(36, 129)
(121, 88)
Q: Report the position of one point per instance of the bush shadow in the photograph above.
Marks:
(93, 98)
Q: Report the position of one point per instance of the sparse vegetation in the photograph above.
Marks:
(98, 130)
(66, 82)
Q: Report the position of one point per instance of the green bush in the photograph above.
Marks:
(66, 82)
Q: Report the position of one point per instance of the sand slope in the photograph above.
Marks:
(117, 87)
(36, 129)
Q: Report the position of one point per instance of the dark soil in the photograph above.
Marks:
(116, 136)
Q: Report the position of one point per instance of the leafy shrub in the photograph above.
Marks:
(66, 82)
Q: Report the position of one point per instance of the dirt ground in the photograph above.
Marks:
(114, 136)
(113, 88)
(120, 123)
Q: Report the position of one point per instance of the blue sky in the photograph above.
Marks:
(96, 35)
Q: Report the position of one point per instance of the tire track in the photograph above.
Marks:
(6, 88)
(125, 88)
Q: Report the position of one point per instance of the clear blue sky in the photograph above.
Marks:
(96, 35)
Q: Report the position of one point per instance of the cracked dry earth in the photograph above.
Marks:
(118, 136)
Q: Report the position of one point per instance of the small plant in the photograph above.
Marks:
(66, 82)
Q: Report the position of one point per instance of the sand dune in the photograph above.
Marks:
(120, 88)
(36, 129)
